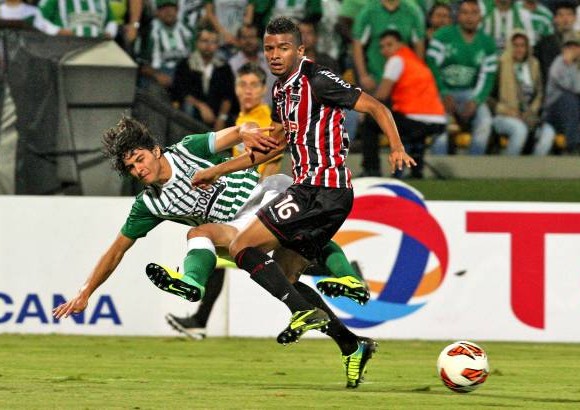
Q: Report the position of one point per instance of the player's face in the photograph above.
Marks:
(389, 46)
(144, 165)
(469, 17)
(250, 91)
(282, 54)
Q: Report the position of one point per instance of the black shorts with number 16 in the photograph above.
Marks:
(304, 218)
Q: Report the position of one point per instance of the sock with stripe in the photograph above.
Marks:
(200, 261)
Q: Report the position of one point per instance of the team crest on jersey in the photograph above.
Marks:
(295, 97)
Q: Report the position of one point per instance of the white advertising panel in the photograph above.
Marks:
(48, 247)
(436, 269)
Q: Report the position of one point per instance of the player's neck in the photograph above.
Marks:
(165, 171)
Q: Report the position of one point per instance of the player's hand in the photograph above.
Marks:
(204, 178)
(257, 138)
(75, 305)
(398, 158)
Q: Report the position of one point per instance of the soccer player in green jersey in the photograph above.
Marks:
(215, 214)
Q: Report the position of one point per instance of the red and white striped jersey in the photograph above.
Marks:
(309, 104)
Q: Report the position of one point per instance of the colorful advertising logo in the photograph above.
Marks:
(400, 247)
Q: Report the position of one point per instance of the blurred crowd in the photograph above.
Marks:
(473, 76)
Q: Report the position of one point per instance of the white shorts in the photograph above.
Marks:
(263, 193)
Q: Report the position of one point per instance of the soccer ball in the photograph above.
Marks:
(463, 366)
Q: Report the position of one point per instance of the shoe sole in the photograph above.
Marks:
(163, 280)
(293, 335)
(194, 335)
(334, 289)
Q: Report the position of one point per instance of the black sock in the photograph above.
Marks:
(266, 273)
(344, 338)
(213, 288)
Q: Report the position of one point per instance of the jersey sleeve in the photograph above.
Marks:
(435, 59)
(140, 220)
(332, 90)
(487, 73)
(203, 146)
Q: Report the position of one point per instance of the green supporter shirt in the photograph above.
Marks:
(458, 65)
(87, 18)
(178, 201)
(374, 19)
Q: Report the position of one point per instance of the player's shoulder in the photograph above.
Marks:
(319, 74)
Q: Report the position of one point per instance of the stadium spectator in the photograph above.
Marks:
(127, 14)
(501, 19)
(326, 29)
(91, 18)
(310, 42)
(464, 62)
(204, 83)
(440, 15)
(520, 95)
(370, 23)
(307, 117)
(169, 41)
(226, 17)
(30, 16)
(562, 103)
(536, 18)
(191, 13)
(250, 52)
(550, 47)
(416, 105)
(251, 87)
(310, 10)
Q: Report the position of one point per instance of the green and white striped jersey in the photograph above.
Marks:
(458, 65)
(166, 46)
(86, 18)
(178, 201)
(537, 23)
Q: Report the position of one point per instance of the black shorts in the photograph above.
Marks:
(304, 218)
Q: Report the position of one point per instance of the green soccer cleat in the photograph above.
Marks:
(348, 286)
(355, 364)
(173, 282)
(301, 322)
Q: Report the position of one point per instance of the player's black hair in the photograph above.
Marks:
(284, 25)
(125, 137)
(565, 4)
(252, 68)
(391, 33)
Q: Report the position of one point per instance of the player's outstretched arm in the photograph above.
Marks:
(249, 133)
(382, 115)
(205, 177)
(105, 267)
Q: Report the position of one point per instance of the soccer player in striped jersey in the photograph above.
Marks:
(308, 117)
(216, 215)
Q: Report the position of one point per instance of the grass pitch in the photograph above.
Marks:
(74, 372)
